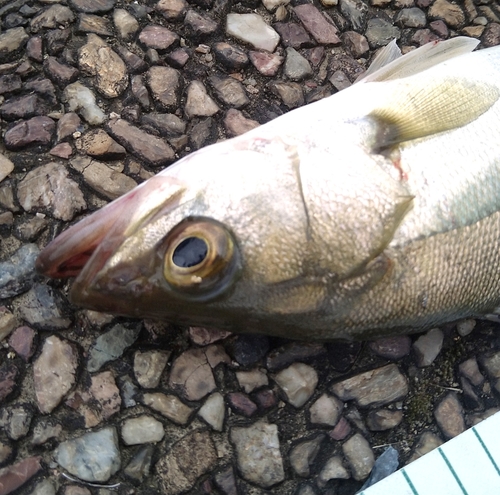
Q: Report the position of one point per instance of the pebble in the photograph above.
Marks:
(333, 469)
(187, 460)
(291, 93)
(45, 431)
(355, 11)
(230, 56)
(172, 10)
(341, 430)
(293, 35)
(45, 487)
(465, 327)
(326, 410)
(356, 43)
(82, 100)
(380, 32)
(18, 273)
(251, 380)
(267, 64)
(412, 17)
(143, 429)
(470, 370)
(235, 123)
(359, 456)
(249, 349)
(148, 367)
(198, 102)
(258, 453)
(8, 379)
(125, 23)
(241, 404)
(54, 373)
(226, 481)
(449, 12)
(62, 150)
(157, 37)
(376, 387)
(392, 347)
(449, 415)
(93, 457)
(298, 382)
(37, 131)
(252, 29)
(88, 23)
(229, 91)
(321, 28)
(200, 335)
(296, 66)
(385, 465)
(167, 124)
(213, 411)
(138, 468)
(303, 455)
(16, 421)
(100, 144)
(426, 443)
(287, 354)
(93, 6)
(383, 419)
(16, 475)
(428, 346)
(22, 342)
(169, 406)
(199, 26)
(110, 346)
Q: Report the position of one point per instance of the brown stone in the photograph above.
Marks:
(356, 43)
(22, 340)
(37, 131)
(164, 83)
(67, 125)
(319, 25)
(89, 23)
(491, 35)
(172, 10)
(450, 13)
(62, 74)
(100, 144)
(62, 150)
(93, 6)
(8, 375)
(157, 37)
(16, 475)
(236, 123)
(199, 26)
(293, 34)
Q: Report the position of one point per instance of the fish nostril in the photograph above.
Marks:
(190, 252)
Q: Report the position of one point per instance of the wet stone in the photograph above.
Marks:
(428, 346)
(258, 453)
(267, 64)
(293, 35)
(18, 272)
(198, 101)
(449, 415)
(379, 386)
(7, 322)
(11, 41)
(302, 456)
(22, 342)
(359, 456)
(333, 469)
(37, 131)
(296, 66)
(427, 442)
(252, 29)
(198, 26)
(172, 10)
(157, 37)
(143, 429)
(165, 86)
(229, 91)
(326, 411)
(290, 93)
(412, 17)
(148, 367)
(450, 13)
(383, 419)
(169, 406)
(81, 99)
(15, 421)
(143, 145)
(93, 457)
(110, 346)
(236, 123)
(16, 475)
(138, 468)
(89, 23)
(318, 25)
(9, 83)
(230, 56)
(298, 382)
(98, 59)
(53, 17)
(54, 373)
(187, 460)
(8, 375)
(241, 404)
(392, 347)
(355, 11)
(380, 32)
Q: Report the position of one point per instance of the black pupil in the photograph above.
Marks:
(190, 252)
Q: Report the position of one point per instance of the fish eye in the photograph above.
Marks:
(201, 259)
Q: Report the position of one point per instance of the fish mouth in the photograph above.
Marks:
(90, 242)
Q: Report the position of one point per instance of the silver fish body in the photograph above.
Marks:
(371, 212)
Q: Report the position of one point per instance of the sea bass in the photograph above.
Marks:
(372, 212)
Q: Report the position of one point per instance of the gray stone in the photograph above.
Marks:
(229, 91)
(428, 346)
(302, 456)
(412, 17)
(138, 468)
(53, 17)
(18, 272)
(11, 41)
(198, 102)
(380, 32)
(93, 457)
(296, 66)
(16, 421)
(326, 410)
(355, 11)
(148, 367)
(290, 93)
(81, 99)
(359, 456)
(427, 442)
(213, 411)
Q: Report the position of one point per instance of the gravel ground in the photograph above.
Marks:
(97, 96)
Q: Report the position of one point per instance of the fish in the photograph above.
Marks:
(370, 213)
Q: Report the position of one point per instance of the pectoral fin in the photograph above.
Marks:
(420, 106)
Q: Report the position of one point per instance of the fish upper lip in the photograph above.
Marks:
(105, 229)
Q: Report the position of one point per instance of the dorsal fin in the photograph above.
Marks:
(418, 60)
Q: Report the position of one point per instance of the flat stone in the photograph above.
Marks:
(229, 91)
(258, 453)
(18, 272)
(392, 347)
(16, 475)
(37, 131)
(23, 107)
(126, 24)
(383, 419)
(11, 41)
(293, 34)
(359, 456)
(298, 382)
(22, 342)
(172, 10)
(54, 373)
(376, 387)
(252, 29)
(143, 145)
(428, 346)
(169, 406)
(89, 23)
(296, 66)
(187, 460)
(100, 144)
(302, 456)
(49, 187)
(138, 468)
(61, 74)
(326, 411)
(230, 56)
(320, 26)
(356, 11)
(157, 37)
(267, 64)
(82, 100)
(15, 421)
(110, 346)
(235, 123)
(199, 26)
(213, 411)
(356, 43)
(198, 102)
(164, 83)
(167, 124)
(332, 470)
(412, 17)
(93, 457)
(449, 415)
(9, 83)
(450, 13)
(98, 59)
(143, 429)
(380, 32)
(55, 16)
(148, 367)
